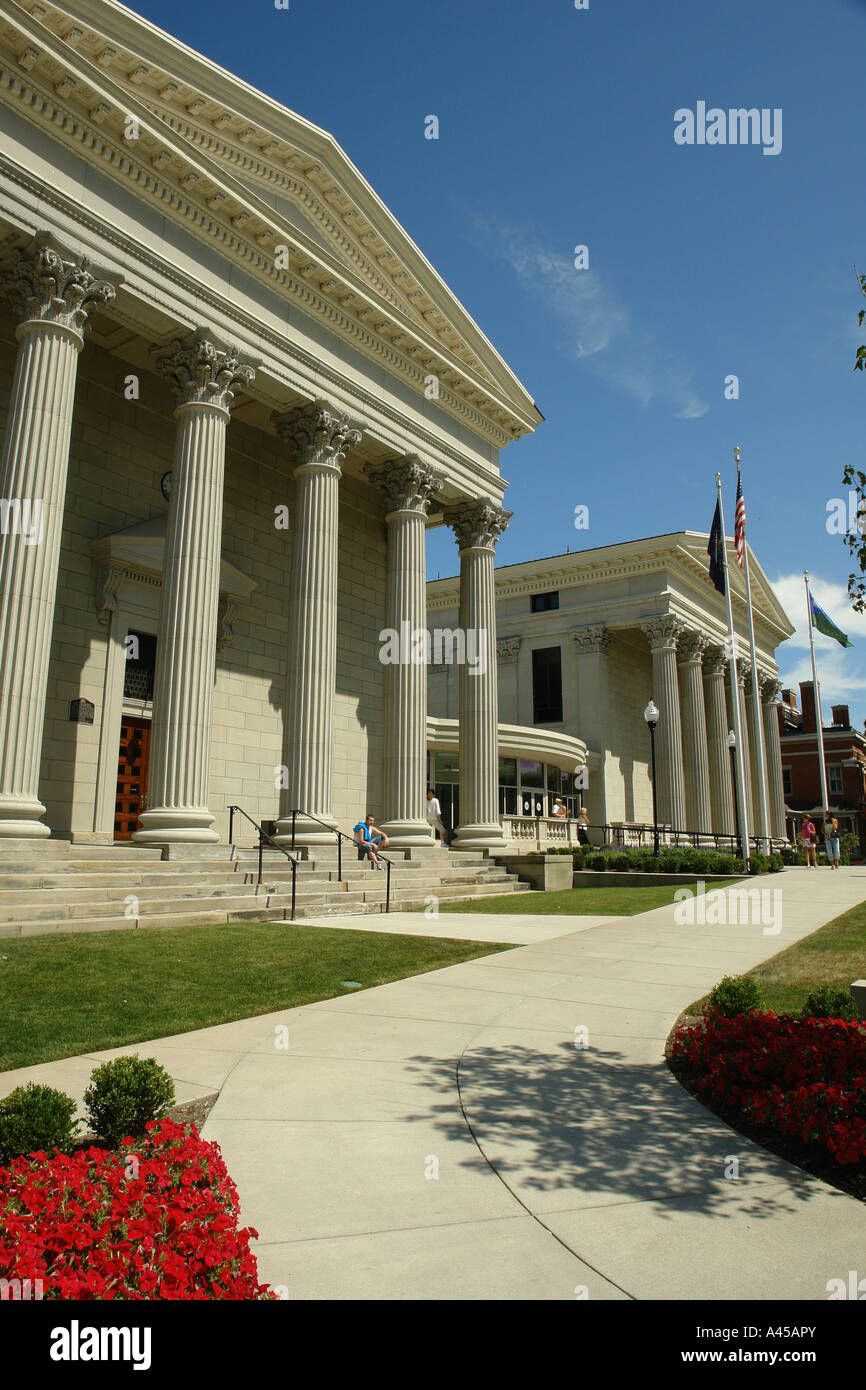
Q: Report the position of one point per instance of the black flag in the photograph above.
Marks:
(716, 551)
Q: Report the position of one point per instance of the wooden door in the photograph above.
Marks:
(132, 761)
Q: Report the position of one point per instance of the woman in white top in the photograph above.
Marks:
(434, 814)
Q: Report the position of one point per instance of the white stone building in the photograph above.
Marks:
(234, 396)
(584, 641)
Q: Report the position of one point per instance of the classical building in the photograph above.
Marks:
(584, 641)
(235, 396)
(844, 757)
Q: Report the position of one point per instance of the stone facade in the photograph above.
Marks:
(214, 346)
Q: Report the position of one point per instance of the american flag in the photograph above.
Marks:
(740, 522)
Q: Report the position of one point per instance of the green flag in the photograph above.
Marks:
(822, 623)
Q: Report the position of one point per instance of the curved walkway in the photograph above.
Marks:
(442, 1137)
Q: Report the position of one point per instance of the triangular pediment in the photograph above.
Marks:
(247, 176)
(141, 549)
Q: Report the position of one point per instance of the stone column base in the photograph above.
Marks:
(307, 832)
(176, 826)
(480, 837)
(407, 834)
(21, 819)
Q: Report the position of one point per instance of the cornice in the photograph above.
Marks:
(83, 89)
(317, 369)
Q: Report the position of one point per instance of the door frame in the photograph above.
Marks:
(140, 618)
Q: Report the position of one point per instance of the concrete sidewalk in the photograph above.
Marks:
(442, 1137)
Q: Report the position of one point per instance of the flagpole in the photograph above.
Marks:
(763, 799)
(735, 690)
(819, 721)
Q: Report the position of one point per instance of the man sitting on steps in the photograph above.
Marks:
(369, 839)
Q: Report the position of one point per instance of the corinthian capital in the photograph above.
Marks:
(771, 687)
(318, 433)
(715, 661)
(201, 373)
(477, 525)
(44, 286)
(593, 638)
(408, 483)
(663, 632)
(691, 646)
(507, 650)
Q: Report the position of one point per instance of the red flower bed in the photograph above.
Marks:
(157, 1220)
(802, 1077)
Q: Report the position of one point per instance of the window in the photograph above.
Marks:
(834, 775)
(543, 603)
(786, 780)
(547, 685)
(140, 664)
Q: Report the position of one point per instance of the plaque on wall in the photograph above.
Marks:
(81, 711)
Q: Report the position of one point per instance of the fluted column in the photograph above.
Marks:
(53, 298)
(663, 634)
(408, 485)
(591, 718)
(770, 688)
(477, 527)
(694, 733)
(204, 378)
(321, 436)
(744, 725)
(721, 786)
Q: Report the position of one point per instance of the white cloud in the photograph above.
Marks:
(841, 670)
(600, 328)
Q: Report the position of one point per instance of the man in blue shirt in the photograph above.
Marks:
(369, 839)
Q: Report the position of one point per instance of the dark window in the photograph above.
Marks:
(835, 776)
(547, 685)
(140, 663)
(542, 603)
(786, 780)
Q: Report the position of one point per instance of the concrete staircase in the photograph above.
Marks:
(115, 887)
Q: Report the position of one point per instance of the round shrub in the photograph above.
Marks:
(36, 1118)
(735, 994)
(830, 1002)
(124, 1095)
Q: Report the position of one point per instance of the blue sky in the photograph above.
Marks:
(557, 130)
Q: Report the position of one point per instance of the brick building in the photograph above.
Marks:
(844, 755)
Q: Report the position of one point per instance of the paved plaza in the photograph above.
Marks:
(442, 1137)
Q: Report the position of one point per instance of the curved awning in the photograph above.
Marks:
(515, 741)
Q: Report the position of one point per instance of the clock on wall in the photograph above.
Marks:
(165, 485)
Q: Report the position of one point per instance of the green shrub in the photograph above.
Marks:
(124, 1095)
(36, 1117)
(849, 848)
(735, 994)
(830, 1002)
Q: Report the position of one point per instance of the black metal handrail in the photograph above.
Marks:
(620, 835)
(341, 836)
(263, 840)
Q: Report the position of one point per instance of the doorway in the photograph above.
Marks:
(132, 766)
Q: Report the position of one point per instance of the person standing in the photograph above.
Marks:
(831, 839)
(583, 826)
(433, 813)
(809, 836)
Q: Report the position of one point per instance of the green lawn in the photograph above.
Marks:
(611, 902)
(835, 954)
(63, 995)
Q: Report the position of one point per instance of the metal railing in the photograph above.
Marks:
(264, 840)
(628, 836)
(341, 836)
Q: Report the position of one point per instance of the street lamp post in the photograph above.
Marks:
(732, 745)
(651, 715)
